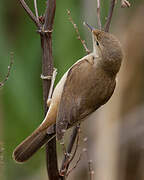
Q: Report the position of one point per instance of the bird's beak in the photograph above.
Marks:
(89, 27)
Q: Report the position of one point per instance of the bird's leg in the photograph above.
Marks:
(52, 78)
(52, 85)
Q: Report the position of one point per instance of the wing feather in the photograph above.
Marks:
(81, 94)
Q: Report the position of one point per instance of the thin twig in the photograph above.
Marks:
(36, 10)
(90, 168)
(77, 32)
(8, 73)
(66, 161)
(30, 13)
(74, 165)
(77, 144)
(63, 148)
(98, 14)
(107, 24)
(91, 171)
(125, 3)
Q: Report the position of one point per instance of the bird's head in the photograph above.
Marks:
(108, 48)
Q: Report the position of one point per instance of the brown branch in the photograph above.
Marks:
(98, 14)
(49, 15)
(66, 161)
(77, 32)
(64, 148)
(8, 73)
(30, 13)
(74, 165)
(107, 24)
(77, 143)
(47, 70)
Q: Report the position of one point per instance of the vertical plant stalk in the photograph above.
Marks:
(110, 14)
(98, 14)
(47, 71)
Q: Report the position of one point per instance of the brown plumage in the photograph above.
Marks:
(87, 85)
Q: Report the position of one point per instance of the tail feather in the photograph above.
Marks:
(30, 145)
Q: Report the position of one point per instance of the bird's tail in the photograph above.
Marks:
(30, 145)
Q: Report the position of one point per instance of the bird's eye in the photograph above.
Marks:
(97, 43)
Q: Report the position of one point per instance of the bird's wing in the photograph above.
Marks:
(75, 102)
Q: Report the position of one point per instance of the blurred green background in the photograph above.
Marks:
(21, 106)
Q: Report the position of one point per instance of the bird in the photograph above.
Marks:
(87, 85)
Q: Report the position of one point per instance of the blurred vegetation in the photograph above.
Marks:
(21, 106)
